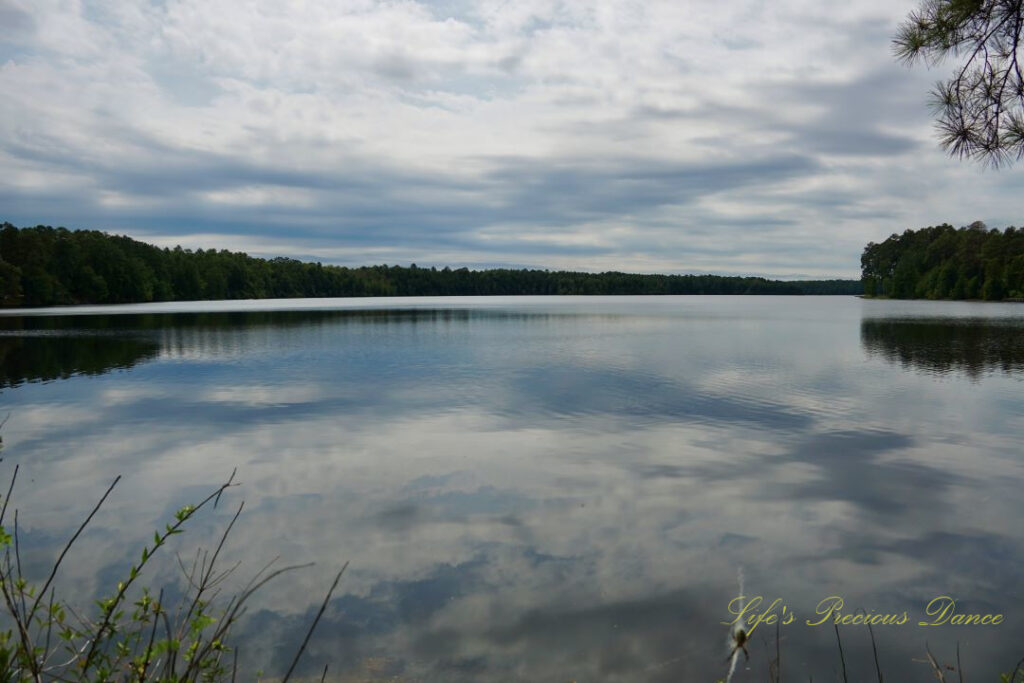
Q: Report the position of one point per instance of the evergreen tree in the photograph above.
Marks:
(981, 107)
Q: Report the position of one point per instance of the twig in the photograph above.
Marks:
(56, 565)
(75, 655)
(230, 482)
(172, 657)
(17, 559)
(842, 658)
(7, 498)
(152, 635)
(874, 651)
(312, 626)
(49, 629)
(206, 570)
(935, 665)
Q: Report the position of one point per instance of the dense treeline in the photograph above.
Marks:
(942, 262)
(45, 266)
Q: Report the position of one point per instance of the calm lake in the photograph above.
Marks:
(544, 488)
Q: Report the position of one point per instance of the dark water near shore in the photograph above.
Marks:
(546, 489)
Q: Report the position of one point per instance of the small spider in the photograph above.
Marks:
(739, 638)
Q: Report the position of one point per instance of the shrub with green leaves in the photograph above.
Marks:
(129, 635)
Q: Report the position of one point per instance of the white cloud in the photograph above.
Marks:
(423, 130)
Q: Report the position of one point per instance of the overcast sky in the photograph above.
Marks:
(769, 138)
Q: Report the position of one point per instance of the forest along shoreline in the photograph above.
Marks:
(46, 266)
(943, 262)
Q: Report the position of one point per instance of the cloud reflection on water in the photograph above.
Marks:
(528, 494)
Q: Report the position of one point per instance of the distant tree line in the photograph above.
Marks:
(44, 266)
(943, 262)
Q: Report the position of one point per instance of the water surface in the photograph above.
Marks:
(548, 488)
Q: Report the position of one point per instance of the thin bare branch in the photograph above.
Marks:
(312, 627)
(67, 547)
